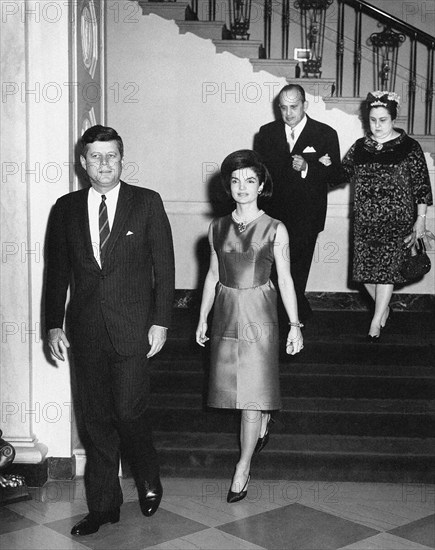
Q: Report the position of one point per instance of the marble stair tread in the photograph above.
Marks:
(279, 67)
(301, 443)
(167, 10)
(241, 48)
(204, 29)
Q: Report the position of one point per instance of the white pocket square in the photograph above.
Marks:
(309, 150)
(129, 233)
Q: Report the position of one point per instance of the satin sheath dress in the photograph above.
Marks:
(244, 369)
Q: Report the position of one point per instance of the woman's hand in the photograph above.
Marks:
(295, 341)
(201, 331)
(325, 160)
(420, 227)
(418, 232)
(410, 240)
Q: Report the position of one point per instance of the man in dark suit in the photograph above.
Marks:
(303, 157)
(114, 242)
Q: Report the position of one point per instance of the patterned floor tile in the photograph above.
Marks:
(56, 500)
(11, 521)
(421, 531)
(194, 514)
(212, 508)
(297, 527)
(134, 531)
(382, 515)
(38, 538)
(210, 539)
(385, 541)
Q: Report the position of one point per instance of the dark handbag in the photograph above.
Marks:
(418, 265)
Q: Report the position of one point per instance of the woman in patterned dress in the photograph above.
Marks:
(244, 371)
(392, 192)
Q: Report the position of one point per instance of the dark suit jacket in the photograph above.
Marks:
(300, 203)
(134, 289)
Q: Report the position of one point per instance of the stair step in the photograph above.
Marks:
(301, 457)
(240, 48)
(356, 352)
(351, 410)
(350, 423)
(307, 404)
(302, 444)
(279, 67)
(167, 10)
(200, 366)
(205, 29)
(301, 385)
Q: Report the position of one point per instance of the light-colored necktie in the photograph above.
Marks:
(292, 140)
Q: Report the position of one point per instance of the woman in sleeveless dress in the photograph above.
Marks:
(244, 371)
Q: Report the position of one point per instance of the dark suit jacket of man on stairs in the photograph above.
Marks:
(300, 203)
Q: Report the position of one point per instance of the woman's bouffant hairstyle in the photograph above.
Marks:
(388, 100)
(245, 158)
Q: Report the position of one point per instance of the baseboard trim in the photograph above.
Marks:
(62, 467)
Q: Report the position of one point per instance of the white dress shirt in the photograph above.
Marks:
(296, 130)
(94, 201)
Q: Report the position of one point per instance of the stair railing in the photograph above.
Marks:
(385, 51)
(385, 46)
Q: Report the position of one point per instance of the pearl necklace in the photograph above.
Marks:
(242, 224)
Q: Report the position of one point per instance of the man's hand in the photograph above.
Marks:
(299, 163)
(156, 339)
(58, 343)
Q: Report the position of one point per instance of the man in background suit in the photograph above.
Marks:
(114, 241)
(303, 157)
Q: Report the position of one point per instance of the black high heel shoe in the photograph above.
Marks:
(236, 497)
(262, 441)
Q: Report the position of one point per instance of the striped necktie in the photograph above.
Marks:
(103, 222)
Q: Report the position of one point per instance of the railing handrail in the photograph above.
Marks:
(393, 21)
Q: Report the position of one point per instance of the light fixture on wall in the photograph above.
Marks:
(313, 18)
(240, 16)
(385, 52)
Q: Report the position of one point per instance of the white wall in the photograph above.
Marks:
(191, 108)
(35, 152)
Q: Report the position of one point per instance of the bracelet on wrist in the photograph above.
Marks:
(297, 324)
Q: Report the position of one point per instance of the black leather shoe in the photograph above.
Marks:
(373, 339)
(150, 495)
(262, 441)
(236, 497)
(93, 521)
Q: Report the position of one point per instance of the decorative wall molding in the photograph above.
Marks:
(89, 37)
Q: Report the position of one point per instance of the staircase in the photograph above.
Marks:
(254, 50)
(351, 410)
